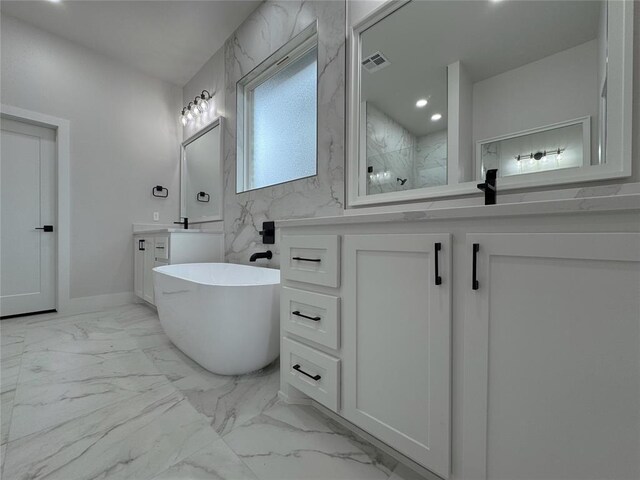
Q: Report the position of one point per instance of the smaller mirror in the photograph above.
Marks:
(201, 175)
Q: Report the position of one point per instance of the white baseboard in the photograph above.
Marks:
(293, 401)
(75, 306)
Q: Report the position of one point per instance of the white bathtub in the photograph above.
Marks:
(224, 316)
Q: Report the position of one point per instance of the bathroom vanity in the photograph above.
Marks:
(170, 246)
(476, 341)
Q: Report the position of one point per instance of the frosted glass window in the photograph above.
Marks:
(277, 117)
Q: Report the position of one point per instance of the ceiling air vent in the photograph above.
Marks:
(375, 62)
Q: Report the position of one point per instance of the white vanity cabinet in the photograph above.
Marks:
(523, 344)
(397, 347)
(154, 249)
(552, 357)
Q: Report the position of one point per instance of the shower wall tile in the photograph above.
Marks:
(268, 28)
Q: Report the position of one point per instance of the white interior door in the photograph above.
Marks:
(27, 202)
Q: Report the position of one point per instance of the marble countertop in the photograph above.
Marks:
(611, 203)
(140, 231)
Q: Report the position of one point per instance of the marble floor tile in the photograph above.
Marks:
(148, 333)
(217, 462)
(237, 400)
(137, 438)
(176, 365)
(54, 399)
(296, 443)
(6, 409)
(402, 472)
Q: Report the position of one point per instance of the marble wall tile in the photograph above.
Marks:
(268, 28)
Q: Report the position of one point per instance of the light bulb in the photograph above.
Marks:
(189, 115)
(203, 104)
(183, 118)
(196, 110)
(421, 103)
(435, 117)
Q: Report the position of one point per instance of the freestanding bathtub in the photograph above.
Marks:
(222, 315)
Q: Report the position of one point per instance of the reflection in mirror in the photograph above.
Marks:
(451, 89)
(201, 176)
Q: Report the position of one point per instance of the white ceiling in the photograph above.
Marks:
(170, 40)
(422, 38)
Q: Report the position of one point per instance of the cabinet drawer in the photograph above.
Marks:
(312, 316)
(312, 372)
(311, 259)
(162, 248)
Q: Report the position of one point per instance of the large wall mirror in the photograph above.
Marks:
(442, 91)
(201, 187)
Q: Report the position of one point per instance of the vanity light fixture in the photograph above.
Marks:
(435, 117)
(540, 155)
(202, 101)
(421, 103)
(199, 105)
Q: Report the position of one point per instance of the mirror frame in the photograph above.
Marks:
(619, 121)
(219, 195)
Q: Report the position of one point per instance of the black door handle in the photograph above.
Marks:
(438, 279)
(46, 228)
(298, 314)
(141, 245)
(302, 259)
(312, 377)
(474, 280)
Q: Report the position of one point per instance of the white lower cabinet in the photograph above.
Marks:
(544, 365)
(552, 357)
(397, 342)
(156, 249)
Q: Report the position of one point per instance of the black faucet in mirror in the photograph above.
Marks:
(268, 255)
(489, 187)
(184, 223)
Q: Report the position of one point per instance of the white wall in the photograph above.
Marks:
(124, 140)
(556, 88)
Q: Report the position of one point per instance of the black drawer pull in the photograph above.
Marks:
(159, 248)
(438, 279)
(302, 259)
(141, 245)
(475, 285)
(312, 377)
(298, 314)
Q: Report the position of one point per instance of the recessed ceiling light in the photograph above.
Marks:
(55, 1)
(435, 117)
(421, 103)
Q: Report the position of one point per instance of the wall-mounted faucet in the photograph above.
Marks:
(268, 255)
(184, 223)
(489, 187)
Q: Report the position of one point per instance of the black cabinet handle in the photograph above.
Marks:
(46, 228)
(438, 247)
(302, 259)
(298, 314)
(312, 377)
(474, 281)
(141, 245)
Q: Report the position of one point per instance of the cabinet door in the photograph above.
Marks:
(149, 263)
(138, 266)
(396, 353)
(552, 357)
